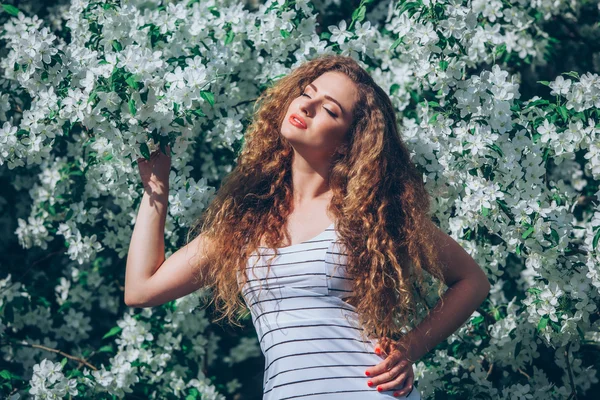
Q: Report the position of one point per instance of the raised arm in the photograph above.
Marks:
(174, 278)
(150, 280)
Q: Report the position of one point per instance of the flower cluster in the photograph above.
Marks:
(99, 83)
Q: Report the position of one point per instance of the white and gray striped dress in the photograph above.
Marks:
(309, 335)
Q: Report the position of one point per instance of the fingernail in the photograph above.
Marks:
(370, 383)
(367, 373)
(396, 394)
(377, 350)
(379, 389)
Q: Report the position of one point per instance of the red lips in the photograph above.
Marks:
(298, 121)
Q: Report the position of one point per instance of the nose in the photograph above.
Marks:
(305, 107)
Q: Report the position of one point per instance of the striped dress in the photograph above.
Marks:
(309, 335)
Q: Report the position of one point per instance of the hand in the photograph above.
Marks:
(155, 171)
(395, 371)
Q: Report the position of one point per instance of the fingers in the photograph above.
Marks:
(393, 372)
(387, 370)
(155, 154)
(408, 387)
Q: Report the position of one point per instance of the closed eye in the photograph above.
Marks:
(329, 112)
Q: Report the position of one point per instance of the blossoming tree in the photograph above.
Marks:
(94, 85)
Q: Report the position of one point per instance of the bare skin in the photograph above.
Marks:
(313, 148)
(151, 280)
(327, 125)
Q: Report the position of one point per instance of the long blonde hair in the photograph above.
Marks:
(379, 202)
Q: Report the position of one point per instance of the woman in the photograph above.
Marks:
(323, 228)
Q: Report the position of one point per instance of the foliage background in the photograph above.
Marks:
(515, 182)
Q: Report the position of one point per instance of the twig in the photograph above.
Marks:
(489, 370)
(87, 358)
(523, 373)
(62, 353)
(571, 380)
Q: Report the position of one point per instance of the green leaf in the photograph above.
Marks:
(556, 327)
(285, 34)
(543, 323)
(198, 112)
(596, 239)
(409, 5)
(433, 117)
(131, 104)
(496, 313)
(12, 10)
(562, 110)
(545, 83)
(117, 46)
(485, 211)
(554, 235)
(213, 10)
(106, 349)
(208, 96)
(5, 374)
(359, 13)
(116, 329)
(396, 43)
(443, 65)
(229, 37)
(538, 103)
(132, 81)
(527, 233)
(64, 361)
(145, 151)
(573, 74)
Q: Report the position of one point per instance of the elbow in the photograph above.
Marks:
(133, 301)
(485, 287)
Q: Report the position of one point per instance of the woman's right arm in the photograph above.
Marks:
(174, 278)
(150, 280)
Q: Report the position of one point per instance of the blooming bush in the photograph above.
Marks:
(94, 85)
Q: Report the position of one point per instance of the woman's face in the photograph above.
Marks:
(326, 106)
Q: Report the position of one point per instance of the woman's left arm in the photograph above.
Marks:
(468, 286)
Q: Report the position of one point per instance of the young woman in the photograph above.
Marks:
(323, 228)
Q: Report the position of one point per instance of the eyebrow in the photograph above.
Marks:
(328, 97)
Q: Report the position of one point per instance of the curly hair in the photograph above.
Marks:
(379, 202)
